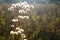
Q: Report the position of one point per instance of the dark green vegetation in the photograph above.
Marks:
(44, 22)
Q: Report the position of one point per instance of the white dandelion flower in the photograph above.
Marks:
(11, 9)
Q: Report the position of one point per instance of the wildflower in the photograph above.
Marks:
(18, 4)
(22, 30)
(22, 5)
(11, 9)
(25, 39)
(11, 32)
(23, 35)
(17, 28)
(19, 16)
(26, 7)
(22, 11)
(12, 25)
(22, 17)
(25, 3)
(16, 33)
(31, 6)
(19, 32)
(27, 17)
(15, 20)
(28, 10)
(14, 5)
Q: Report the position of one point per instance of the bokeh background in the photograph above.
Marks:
(43, 24)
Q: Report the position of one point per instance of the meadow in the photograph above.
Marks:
(43, 22)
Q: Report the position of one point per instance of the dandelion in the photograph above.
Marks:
(11, 32)
(12, 26)
(23, 35)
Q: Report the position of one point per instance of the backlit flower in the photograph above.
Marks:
(16, 33)
(22, 5)
(17, 28)
(15, 20)
(11, 9)
(23, 35)
(31, 6)
(25, 3)
(22, 11)
(19, 32)
(26, 7)
(22, 30)
(18, 5)
(12, 26)
(22, 17)
(27, 17)
(14, 5)
(24, 39)
(11, 32)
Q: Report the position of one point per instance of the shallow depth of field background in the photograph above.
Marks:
(43, 24)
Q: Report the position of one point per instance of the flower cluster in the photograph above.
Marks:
(19, 31)
(24, 5)
(15, 20)
(23, 17)
(24, 8)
